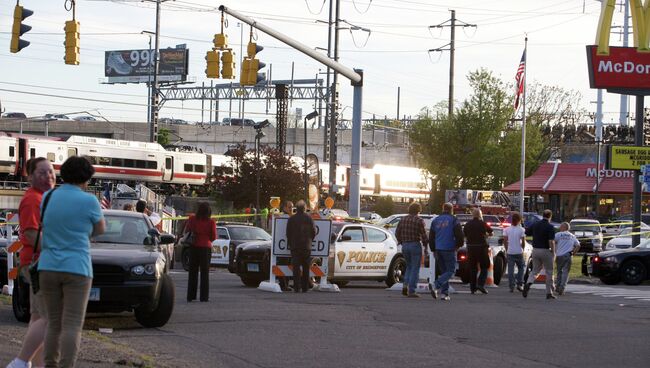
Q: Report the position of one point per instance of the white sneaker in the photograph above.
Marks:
(17, 363)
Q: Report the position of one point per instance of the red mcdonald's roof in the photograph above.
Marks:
(555, 177)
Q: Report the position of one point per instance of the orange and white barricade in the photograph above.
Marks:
(279, 248)
(489, 282)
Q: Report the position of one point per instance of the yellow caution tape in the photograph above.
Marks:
(214, 216)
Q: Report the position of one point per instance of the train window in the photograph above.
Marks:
(92, 159)
(187, 167)
(168, 162)
(51, 156)
(32, 152)
(199, 168)
(140, 164)
(152, 165)
(342, 177)
(129, 163)
(72, 152)
(12, 151)
(105, 161)
(117, 162)
(365, 181)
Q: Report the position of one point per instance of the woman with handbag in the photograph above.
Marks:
(200, 231)
(71, 217)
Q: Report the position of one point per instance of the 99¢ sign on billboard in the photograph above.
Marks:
(320, 246)
(136, 66)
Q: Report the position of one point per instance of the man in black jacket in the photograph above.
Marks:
(476, 232)
(300, 234)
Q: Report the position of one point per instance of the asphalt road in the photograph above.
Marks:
(366, 326)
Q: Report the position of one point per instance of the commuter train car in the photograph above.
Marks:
(130, 161)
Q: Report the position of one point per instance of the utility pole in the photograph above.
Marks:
(452, 23)
(333, 118)
(398, 93)
(153, 126)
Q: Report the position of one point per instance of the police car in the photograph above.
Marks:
(358, 251)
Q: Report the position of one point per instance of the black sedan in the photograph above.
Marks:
(632, 265)
(130, 271)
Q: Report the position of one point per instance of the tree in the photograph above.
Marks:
(279, 177)
(163, 136)
(479, 146)
(384, 206)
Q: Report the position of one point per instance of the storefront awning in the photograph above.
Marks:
(555, 177)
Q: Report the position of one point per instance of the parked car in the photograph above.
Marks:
(14, 115)
(84, 118)
(624, 239)
(238, 122)
(370, 216)
(589, 233)
(645, 218)
(499, 257)
(390, 223)
(358, 251)
(129, 272)
(229, 236)
(631, 265)
(56, 117)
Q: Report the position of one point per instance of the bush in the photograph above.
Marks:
(385, 206)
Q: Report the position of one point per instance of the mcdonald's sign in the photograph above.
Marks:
(621, 69)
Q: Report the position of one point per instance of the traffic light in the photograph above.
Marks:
(212, 69)
(227, 65)
(71, 42)
(251, 66)
(19, 29)
(220, 41)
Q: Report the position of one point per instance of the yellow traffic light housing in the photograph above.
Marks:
(227, 65)
(212, 59)
(220, 41)
(18, 29)
(71, 42)
(251, 66)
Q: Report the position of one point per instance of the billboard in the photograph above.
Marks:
(136, 66)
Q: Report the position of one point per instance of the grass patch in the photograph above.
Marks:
(5, 300)
(576, 268)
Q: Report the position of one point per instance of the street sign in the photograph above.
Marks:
(320, 247)
(627, 157)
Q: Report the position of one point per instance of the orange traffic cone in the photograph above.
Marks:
(541, 277)
(489, 282)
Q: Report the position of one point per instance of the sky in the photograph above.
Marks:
(393, 55)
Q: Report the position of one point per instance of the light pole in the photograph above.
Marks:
(258, 136)
(309, 116)
(149, 33)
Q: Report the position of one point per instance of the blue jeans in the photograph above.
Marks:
(446, 262)
(516, 259)
(412, 252)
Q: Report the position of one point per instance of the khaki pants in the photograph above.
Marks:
(36, 305)
(66, 297)
(543, 258)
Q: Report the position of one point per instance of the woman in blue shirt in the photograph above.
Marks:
(71, 217)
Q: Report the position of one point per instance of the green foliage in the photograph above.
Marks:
(279, 177)
(384, 206)
(479, 147)
(163, 136)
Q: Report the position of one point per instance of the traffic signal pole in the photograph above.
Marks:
(355, 77)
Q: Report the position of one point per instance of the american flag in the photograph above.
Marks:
(105, 202)
(519, 78)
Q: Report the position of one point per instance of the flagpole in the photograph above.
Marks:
(523, 134)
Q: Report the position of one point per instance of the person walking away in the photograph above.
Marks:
(41, 177)
(477, 231)
(445, 237)
(287, 211)
(300, 234)
(543, 253)
(515, 241)
(567, 245)
(204, 232)
(410, 233)
(71, 217)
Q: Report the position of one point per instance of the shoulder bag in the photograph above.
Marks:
(33, 267)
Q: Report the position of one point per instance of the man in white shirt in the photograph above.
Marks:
(567, 245)
(515, 241)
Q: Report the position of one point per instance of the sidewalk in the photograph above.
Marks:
(97, 350)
